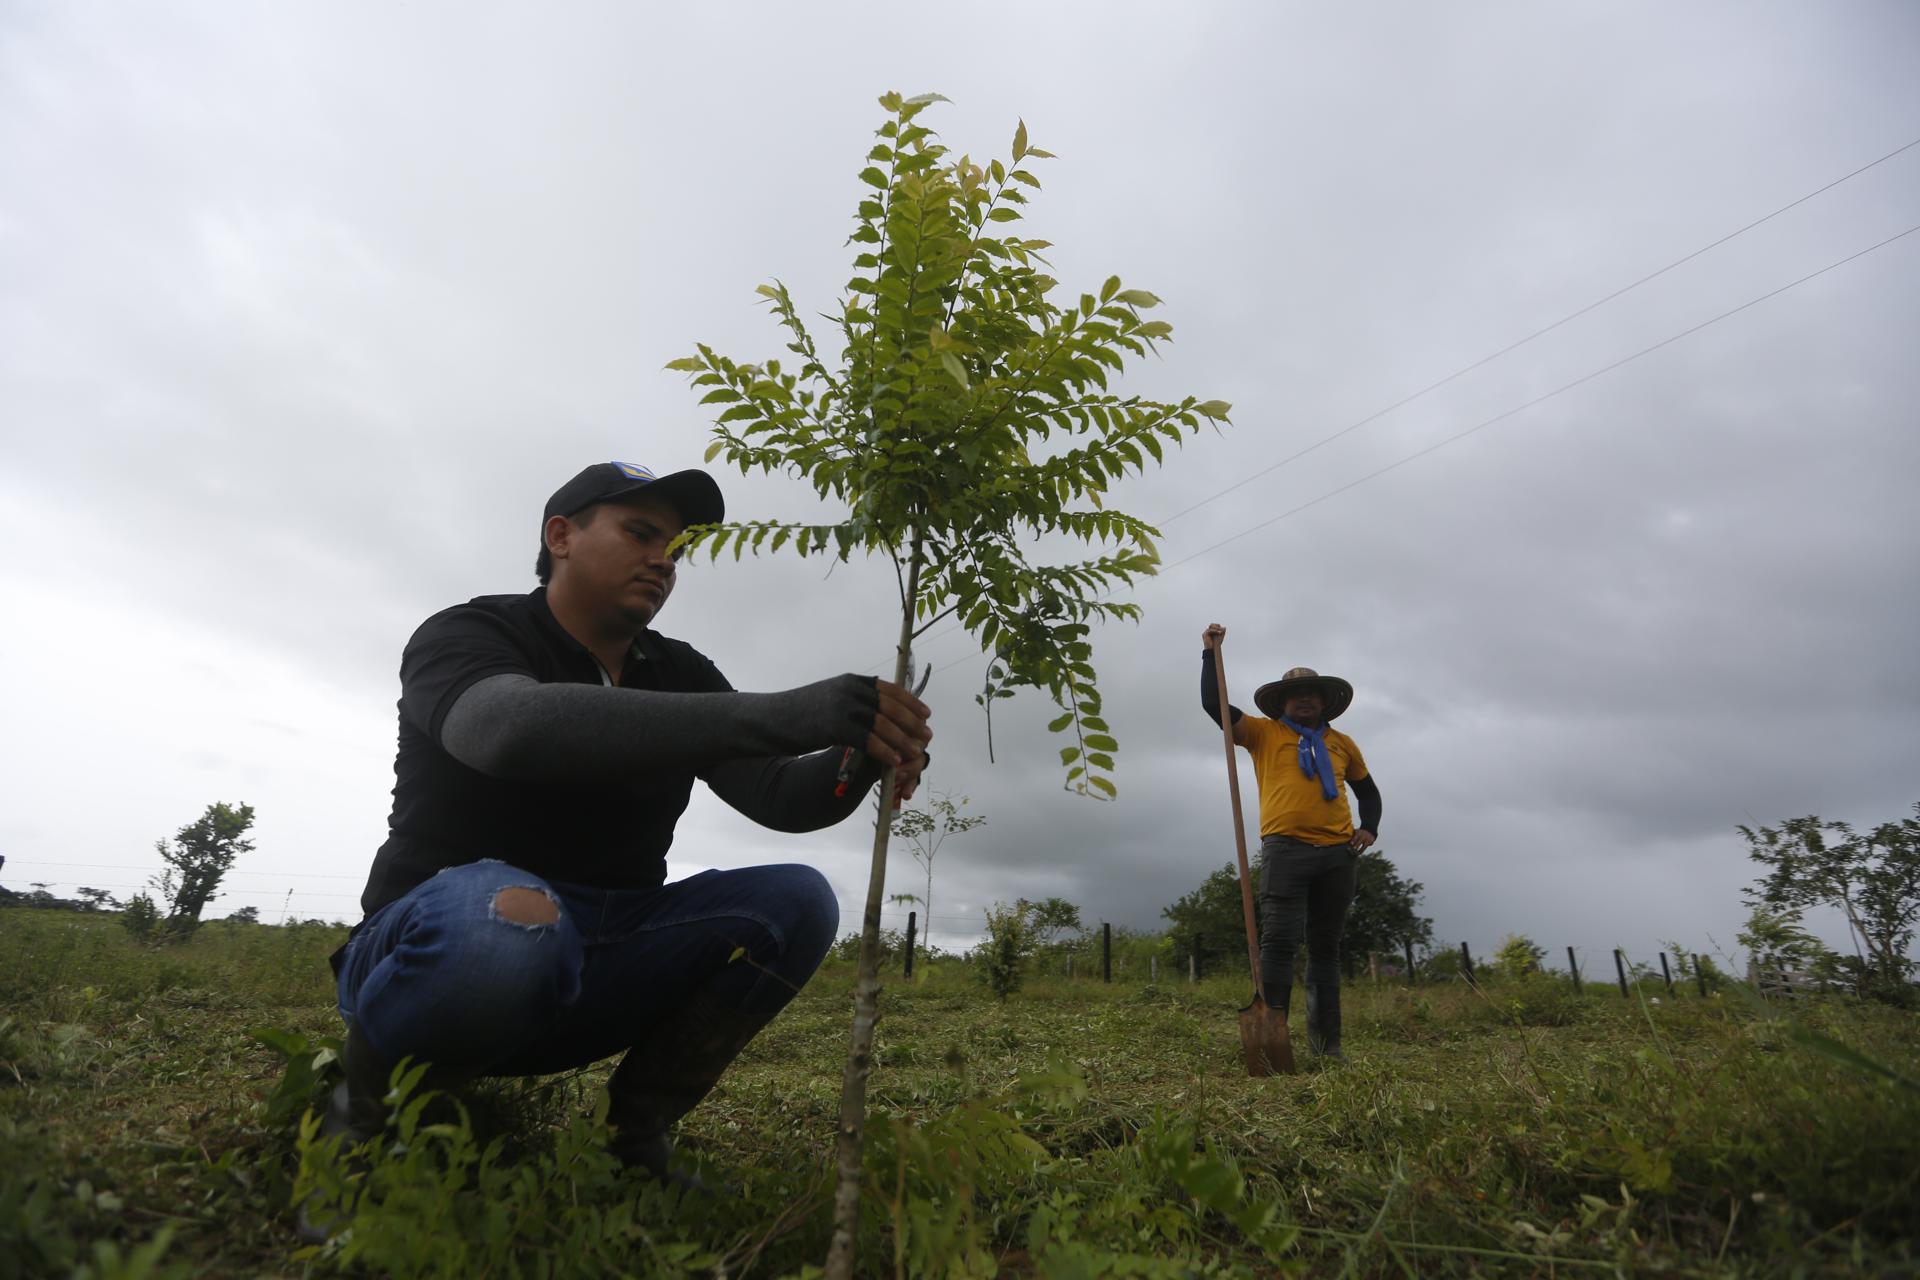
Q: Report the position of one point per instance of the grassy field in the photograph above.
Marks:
(1077, 1130)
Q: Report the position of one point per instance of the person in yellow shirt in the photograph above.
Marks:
(1309, 843)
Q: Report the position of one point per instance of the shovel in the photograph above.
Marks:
(1263, 1031)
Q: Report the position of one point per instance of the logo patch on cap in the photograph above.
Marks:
(634, 471)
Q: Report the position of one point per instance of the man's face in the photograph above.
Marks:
(1304, 707)
(618, 559)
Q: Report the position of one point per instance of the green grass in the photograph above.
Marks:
(1077, 1129)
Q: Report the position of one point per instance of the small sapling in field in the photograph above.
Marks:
(967, 418)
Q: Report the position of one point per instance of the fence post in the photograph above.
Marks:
(1466, 965)
(1153, 970)
(912, 918)
(1106, 952)
(1666, 972)
(1620, 967)
(1373, 967)
(1573, 967)
(1193, 961)
(1069, 964)
(1700, 972)
(1408, 945)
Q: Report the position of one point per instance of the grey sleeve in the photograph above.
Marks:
(513, 726)
(787, 793)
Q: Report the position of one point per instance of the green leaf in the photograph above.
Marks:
(1138, 298)
(1069, 754)
(1020, 140)
(951, 363)
(873, 177)
(687, 364)
(1059, 723)
(713, 450)
(1215, 409)
(1004, 214)
(1103, 784)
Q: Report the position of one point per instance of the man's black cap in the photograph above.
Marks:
(692, 493)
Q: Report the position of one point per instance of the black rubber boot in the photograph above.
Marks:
(663, 1079)
(356, 1113)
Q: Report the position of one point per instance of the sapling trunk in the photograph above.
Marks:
(866, 991)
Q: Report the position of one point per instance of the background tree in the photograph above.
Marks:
(925, 830)
(1212, 914)
(1776, 943)
(245, 915)
(1442, 964)
(96, 899)
(1385, 914)
(968, 420)
(197, 860)
(1050, 917)
(1518, 955)
(1001, 959)
(1873, 878)
(140, 916)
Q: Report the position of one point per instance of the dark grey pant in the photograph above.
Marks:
(1304, 894)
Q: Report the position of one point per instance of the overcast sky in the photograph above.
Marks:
(305, 309)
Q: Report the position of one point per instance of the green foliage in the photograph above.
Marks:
(1049, 918)
(1518, 956)
(196, 862)
(1385, 915)
(890, 943)
(1873, 878)
(1001, 958)
(1691, 966)
(969, 409)
(1692, 1137)
(1442, 964)
(310, 1064)
(1776, 943)
(1212, 913)
(1536, 999)
(140, 917)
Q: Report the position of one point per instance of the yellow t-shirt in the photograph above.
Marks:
(1290, 801)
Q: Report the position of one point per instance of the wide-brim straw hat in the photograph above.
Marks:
(1336, 695)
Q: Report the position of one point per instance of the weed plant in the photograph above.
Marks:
(1077, 1128)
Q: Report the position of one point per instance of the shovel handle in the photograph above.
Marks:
(1239, 823)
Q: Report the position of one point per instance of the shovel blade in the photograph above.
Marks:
(1263, 1040)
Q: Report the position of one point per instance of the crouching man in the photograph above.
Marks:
(517, 920)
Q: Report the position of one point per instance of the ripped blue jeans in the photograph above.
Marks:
(441, 976)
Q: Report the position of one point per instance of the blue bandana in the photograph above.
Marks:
(1314, 757)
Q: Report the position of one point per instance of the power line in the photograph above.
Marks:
(223, 892)
(1521, 408)
(1537, 333)
(1541, 399)
(131, 866)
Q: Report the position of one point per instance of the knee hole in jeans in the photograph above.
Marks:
(530, 908)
